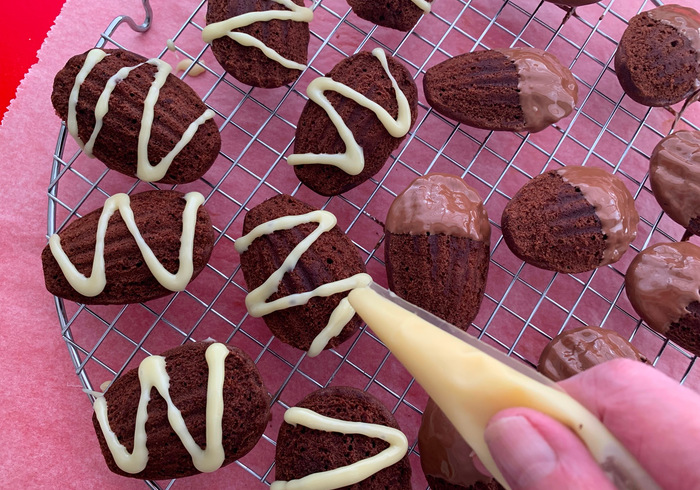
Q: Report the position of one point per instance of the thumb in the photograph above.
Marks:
(534, 451)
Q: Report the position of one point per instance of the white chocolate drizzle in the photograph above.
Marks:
(195, 71)
(225, 28)
(355, 472)
(144, 170)
(93, 57)
(423, 5)
(352, 161)
(102, 106)
(152, 374)
(95, 284)
(256, 300)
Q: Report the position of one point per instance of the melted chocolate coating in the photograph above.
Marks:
(614, 206)
(674, 173)
(439, 203)
(574, 351)
(548, 90)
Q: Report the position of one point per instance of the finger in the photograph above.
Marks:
(534, 451)
(649, 413)
(479, 465)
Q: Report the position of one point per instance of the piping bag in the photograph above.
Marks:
(471, 381)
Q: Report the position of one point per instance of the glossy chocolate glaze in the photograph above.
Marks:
(443, 452)
(548, 90)
(439, 203)
(674, 173)
(613, 203)
(574, 351)
(662, 281)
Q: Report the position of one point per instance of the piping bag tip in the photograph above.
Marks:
(471, 381)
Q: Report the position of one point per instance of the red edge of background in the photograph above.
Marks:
(20, 39)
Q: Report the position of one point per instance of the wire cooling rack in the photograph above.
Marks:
(524, 307)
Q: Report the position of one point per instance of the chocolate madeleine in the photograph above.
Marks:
(572, 3)
(674, 174)
(658, 59)
(437, 247)
(396, 14)
(573, 351)
(570, 220)
(183, 376)
(330, 160)
(305, 449)
(135, 117)
(445, 457)
(159, 250)
(262, 43)
(299, 267)
(663, 285)
(516, 89)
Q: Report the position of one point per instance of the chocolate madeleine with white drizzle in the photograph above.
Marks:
(193, 409)
(262, 43)
(134, 249)
(355, 117)
(299, 267)
(134, 116)
(341, 437)
(510, 89)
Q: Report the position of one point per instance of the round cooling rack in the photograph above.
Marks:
(524, 307)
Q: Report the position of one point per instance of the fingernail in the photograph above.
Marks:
(521, 453)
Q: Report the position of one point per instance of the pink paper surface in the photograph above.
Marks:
(44, 415)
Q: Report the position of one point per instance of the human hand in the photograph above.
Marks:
(654, 417)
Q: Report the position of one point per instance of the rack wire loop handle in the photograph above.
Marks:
(143, 27)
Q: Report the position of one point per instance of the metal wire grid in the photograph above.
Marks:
(523, 308)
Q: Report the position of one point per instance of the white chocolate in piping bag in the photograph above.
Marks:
(470, 385)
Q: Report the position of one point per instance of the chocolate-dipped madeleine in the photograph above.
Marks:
(573, 219)
(511, 89)
(262, 43)
(437, 247)
(674, 173)
(573, 351)
(658, 58)
(135, 117)
(663, 285)
(445, 457)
